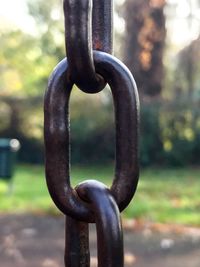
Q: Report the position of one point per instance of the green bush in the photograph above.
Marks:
(151, 148)
(169, 132)
(180, 125)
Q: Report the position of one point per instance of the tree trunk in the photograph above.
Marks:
(144, 44)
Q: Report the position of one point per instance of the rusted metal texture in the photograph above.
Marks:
(77, 252)
(108, 222)
(56, 125)
(79, 44)
(108, 225)
(88, 36)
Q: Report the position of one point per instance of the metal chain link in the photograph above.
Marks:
(108, 225)
(78, 36)
(90, 70)
(56, 123)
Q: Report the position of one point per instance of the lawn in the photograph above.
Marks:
(163, 195)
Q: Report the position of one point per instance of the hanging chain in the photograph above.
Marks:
(90, 65)
(81, 24)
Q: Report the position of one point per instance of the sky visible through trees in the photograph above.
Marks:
(31, 46)
(15, 14)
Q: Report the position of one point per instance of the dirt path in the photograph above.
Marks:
(38, 241)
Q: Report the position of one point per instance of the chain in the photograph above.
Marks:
(90, 65)
(78, 36)
(108, 224)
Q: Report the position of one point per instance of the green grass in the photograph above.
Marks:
(163, 195)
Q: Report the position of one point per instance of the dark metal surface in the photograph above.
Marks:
(102, 25)
(77, 252)
(108, 226)
(108, 223)
(56, 122)
(91, 201)
(79, 40)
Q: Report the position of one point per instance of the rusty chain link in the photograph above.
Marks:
(57, 136)
(108, 224)
(88, 36)
(79, 42)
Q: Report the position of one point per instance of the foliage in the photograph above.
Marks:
(20, 64)
(179, 119)
(50, 30)
(181, 133)
(151, 148)
(170, 133)
(169, 123)
(26, 62)
(154, 200)
(92, 128)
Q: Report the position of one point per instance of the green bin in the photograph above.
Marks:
(8, 151)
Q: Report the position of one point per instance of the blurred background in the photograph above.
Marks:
(159, 41)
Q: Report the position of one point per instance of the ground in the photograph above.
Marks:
(30, 241)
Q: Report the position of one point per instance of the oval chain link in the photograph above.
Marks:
(108, 226)
(88, 32)
(88, 26)
(56, 121)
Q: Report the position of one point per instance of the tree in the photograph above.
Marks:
(26, 63)
(48, 17)
(144, 43)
